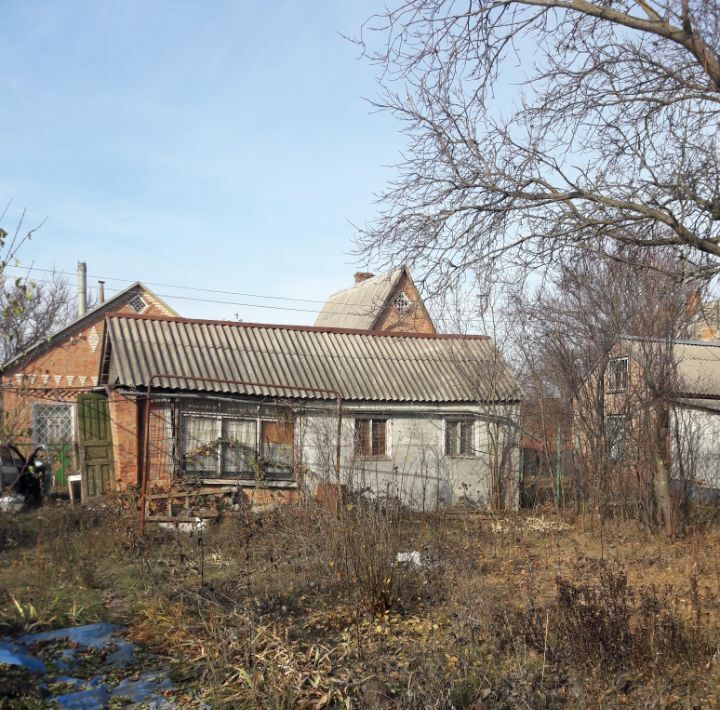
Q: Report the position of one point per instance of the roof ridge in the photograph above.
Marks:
(308, 328)
(78, 320)
(365, 282)
(673, 341)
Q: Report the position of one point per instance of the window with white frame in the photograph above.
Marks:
(137, 304)
(371, 438)
(617, 374)
(616, 436)
(52, 424)
(402, 302)
(459, 437)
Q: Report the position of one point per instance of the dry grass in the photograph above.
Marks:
(296, 607)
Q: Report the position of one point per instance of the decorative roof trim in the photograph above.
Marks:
(27, 354)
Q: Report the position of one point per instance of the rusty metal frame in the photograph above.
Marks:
(246, 383)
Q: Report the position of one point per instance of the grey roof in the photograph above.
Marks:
(360, 365)
(697, 362)
(107, 306)
(360, 305)
(698, 367)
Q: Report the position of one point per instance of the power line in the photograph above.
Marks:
(197, 299)
(164, 285)
(211, 300)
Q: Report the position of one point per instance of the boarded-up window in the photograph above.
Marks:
(458, 437)
(370, 437)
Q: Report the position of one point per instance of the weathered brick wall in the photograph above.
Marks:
(68, 367)
(416, 319)
(58, 373)
(124, 420)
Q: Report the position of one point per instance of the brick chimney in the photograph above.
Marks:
(361, 276)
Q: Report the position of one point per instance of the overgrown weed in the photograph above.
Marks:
(293, 607)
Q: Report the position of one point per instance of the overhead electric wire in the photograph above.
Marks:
(164, 285)
(30, 269)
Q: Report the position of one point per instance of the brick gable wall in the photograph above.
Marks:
(415, 319)
(58, 374)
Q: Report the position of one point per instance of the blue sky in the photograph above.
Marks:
(221, 145)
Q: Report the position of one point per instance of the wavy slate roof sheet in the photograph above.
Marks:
(698, 367)
(358, 306)
(697, 363)
(360, 365)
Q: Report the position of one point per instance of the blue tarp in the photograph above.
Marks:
(94, 692)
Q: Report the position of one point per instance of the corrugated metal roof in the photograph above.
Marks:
(358, 306)
(360, 365)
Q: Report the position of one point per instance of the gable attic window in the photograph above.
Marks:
(459, 437)
(402, 302)
(137, 304)
(370, 438)
(617, 374)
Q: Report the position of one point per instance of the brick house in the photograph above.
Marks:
(40, 388)
(388, 303)
(651, 419)
(253, 408)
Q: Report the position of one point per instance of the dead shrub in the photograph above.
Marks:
(603, 622)
(593, 620)
(364, 542)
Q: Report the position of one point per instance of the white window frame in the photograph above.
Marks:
(138, 297)
(69, 406)
(371, 418)
(612, 385)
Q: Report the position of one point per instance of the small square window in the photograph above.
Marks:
(137, 304)
(458, 438)
(370, 437)
(402, 302)
(617, 374)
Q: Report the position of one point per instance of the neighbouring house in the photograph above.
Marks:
(386, 303)
(431, 419)
(46, 391)
(661, 410)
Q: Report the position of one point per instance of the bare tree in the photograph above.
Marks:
(535, 127)
(569, 336)
(31, 311)
(14, 299)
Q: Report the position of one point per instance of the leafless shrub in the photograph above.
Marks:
(593, 620)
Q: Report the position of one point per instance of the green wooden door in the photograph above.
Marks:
(95, 445)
